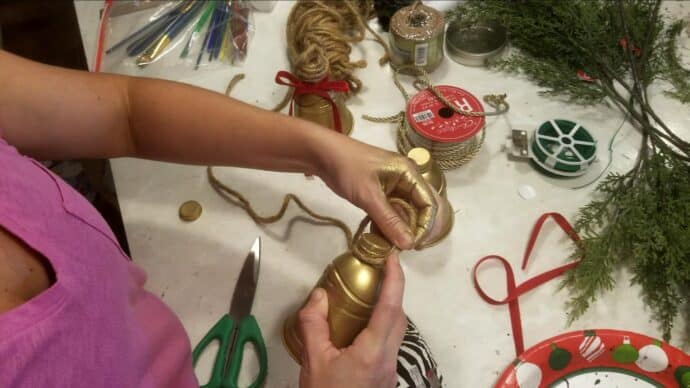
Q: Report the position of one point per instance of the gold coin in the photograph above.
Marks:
(190, 211)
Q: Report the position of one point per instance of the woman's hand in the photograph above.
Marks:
(367, 175)
(370, 362)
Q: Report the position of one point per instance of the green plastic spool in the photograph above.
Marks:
(563, 148)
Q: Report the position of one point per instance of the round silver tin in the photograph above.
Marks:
(475, 45)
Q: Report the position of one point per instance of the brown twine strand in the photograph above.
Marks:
(448, 155)
(239, 77)
(239, 200)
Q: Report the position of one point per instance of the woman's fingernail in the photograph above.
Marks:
(317, 295)
(406, 239)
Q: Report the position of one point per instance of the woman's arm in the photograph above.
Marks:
(54, 113)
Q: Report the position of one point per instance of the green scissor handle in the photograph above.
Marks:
(248, 331)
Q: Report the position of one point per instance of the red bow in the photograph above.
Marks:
(320, 88)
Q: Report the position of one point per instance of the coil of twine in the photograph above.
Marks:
(448, 155)
(320, 35)
(417, 36)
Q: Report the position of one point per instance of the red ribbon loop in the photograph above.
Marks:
(321, 88)
(513, 291)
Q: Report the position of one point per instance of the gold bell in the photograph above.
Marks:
(352, 281)
(319, 110)
(430, 171)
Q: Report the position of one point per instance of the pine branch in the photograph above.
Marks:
(639, 219)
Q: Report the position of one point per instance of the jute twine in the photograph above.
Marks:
(240, 200)
(320, 35)
(447, 155)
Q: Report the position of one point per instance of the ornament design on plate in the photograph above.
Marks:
(625, 353)
(559, 358)
(528, 375)
(652, 358)
(683, 376)
(592, 347)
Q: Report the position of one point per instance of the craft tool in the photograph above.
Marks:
(197, 29)
(214, 30)
(149, 27)
(226, 50)
(154, 51)
(222, 28)
(145, 40)
(214, 15)
(237, 328)
(558, 147)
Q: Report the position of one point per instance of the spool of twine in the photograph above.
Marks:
(417, 36)
(448, 155)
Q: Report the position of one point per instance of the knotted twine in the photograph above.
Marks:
(447, 155)
(320, 35)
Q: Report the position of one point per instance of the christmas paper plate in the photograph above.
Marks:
(599, 359)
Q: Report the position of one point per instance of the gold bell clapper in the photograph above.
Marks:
(352, 282)
(431, 172)
(429, 169)
(445, 216)
(321, 102)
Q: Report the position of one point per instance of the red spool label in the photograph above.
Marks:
(431, 118)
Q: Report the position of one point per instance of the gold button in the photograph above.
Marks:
(190, 211)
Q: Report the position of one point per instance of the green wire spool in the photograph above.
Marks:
(563, 148)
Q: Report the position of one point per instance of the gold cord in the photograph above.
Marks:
(447, 155)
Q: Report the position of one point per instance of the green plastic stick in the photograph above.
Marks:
(199, 25)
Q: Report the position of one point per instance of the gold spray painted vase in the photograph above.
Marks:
(352, 283)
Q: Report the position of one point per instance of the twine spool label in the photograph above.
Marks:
(417, 37)
(431, 118)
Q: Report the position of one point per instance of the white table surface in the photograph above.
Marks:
(193, 266)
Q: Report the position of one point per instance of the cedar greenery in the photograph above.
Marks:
(638, 219)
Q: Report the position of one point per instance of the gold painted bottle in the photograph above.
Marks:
(352, 281)
(319, 110)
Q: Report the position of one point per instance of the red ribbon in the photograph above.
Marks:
(321, 88)
(515, 291)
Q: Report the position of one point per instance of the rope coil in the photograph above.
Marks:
(448, 155)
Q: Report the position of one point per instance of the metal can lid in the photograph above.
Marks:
(431, 118)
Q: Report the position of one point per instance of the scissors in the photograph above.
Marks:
(236, 328)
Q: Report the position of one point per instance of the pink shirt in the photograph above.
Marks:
(96, 326)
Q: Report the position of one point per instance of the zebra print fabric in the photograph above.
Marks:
(416, 366)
